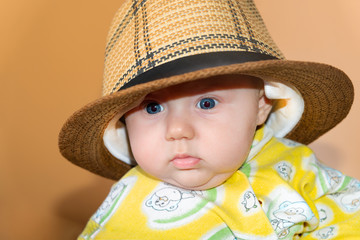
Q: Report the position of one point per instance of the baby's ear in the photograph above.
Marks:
(265, 106)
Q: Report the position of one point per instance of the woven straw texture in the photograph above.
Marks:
(148, 34)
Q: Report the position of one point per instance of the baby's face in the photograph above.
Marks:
(196, 135)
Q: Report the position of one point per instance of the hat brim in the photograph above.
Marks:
(327, 92)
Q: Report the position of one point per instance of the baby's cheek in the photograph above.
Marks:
(146, 155)
(141, 154)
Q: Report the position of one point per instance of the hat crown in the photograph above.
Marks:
(146, 34)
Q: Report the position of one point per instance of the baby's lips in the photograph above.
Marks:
(185, 162)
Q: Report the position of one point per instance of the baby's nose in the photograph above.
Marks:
(179, 127)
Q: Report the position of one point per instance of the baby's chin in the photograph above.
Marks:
(200, 187)
(198, 184)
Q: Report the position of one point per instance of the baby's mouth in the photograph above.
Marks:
(185, 162)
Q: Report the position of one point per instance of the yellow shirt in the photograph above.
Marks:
(280, 192)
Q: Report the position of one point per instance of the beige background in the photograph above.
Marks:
(51, 60)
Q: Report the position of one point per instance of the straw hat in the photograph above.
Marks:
(153, 44)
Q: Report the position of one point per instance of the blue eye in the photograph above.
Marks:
(207, 103)
(153, 108)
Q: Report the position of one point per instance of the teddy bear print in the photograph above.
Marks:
(249, 201)
(288, 214)
(322, 215)
(168, 199)
(349, 198)
(351, 201)
(284, 169)
(325, 233)
(334, 177)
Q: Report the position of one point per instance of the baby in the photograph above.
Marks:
(204, 121)
(190, 122)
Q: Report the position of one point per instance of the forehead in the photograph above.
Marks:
(217, 83)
